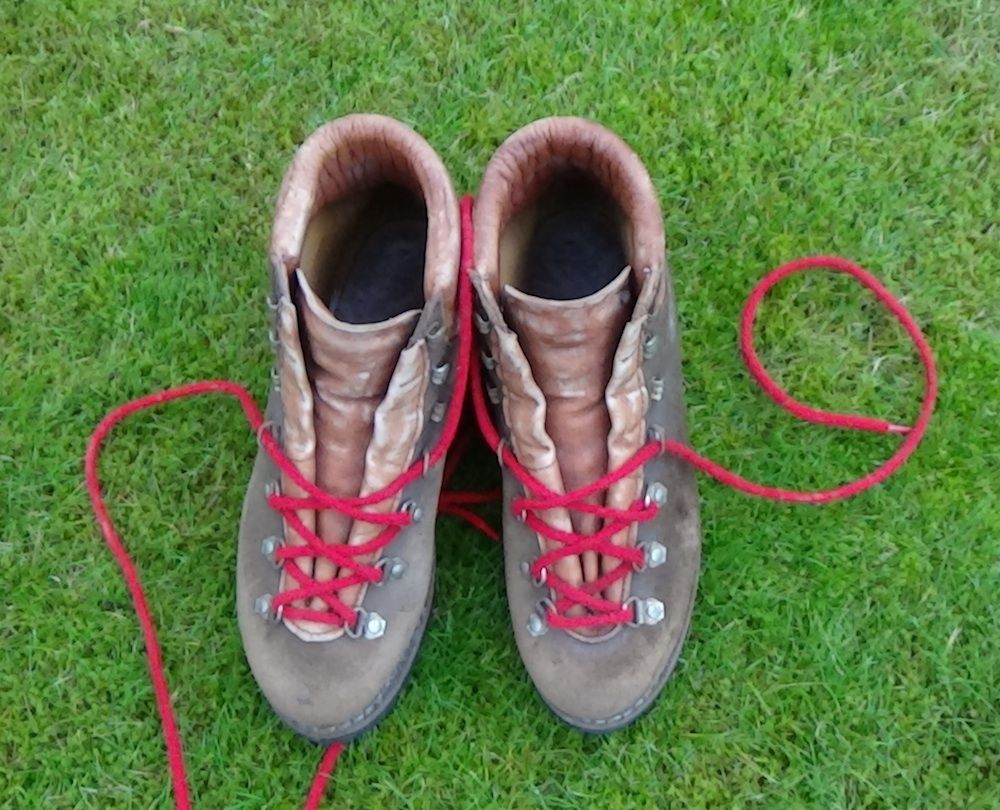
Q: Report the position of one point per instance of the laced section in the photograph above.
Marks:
(536, 499)
(599, 611)
(349, 559)
(344, 556)
(315, 499)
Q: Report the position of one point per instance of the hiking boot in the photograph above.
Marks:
(581, 361)
(335, 565)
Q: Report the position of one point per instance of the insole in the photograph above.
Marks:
(383, 261)
(576, 247)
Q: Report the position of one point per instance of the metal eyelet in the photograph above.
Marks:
(369, 625)
(391, 568)
(412, 509)
(266, 425)
(272, 488)
(538, 623)
(493, 394)
(439, 374)
(656, 494)
(538, 581)
(269, 548)
(646, 611)
(435, 330)
(488, 362)
(483, 325)
(438, 411)
(649, 346)
(263, 606)
(654, 554)
(272, 303)
(654, 433)
(656, 389)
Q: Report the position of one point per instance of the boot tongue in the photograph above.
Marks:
(349, 368)
(570, 347)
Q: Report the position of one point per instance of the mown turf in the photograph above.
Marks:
(844, 656)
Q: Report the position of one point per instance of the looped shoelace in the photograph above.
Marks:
(537, 497)
(599, 611)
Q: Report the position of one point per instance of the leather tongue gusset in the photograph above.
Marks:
(350, 367)
(570, 348)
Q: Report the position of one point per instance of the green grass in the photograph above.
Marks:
(840, 657)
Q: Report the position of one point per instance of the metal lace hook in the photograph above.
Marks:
(267, 424)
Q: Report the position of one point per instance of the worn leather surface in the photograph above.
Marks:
(351, 155)
(596, 683)
(527, 160)
(569, 347)
(336, 689)
(333, 690)
(351, 368)
(354, 405)
(600, 686)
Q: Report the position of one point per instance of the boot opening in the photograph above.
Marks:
(565, 244)
(364, 255)
(353, 217)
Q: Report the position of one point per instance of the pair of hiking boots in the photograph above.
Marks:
(560, 321)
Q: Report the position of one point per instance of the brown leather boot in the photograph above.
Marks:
(582, 361)
(364, 264)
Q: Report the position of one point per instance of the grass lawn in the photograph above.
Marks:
(843, 656)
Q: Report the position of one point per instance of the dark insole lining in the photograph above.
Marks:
(575, 248)
(382, 264)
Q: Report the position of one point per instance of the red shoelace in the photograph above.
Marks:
(600, 611)
(316, 499)
(343, 556)
(459, 504)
